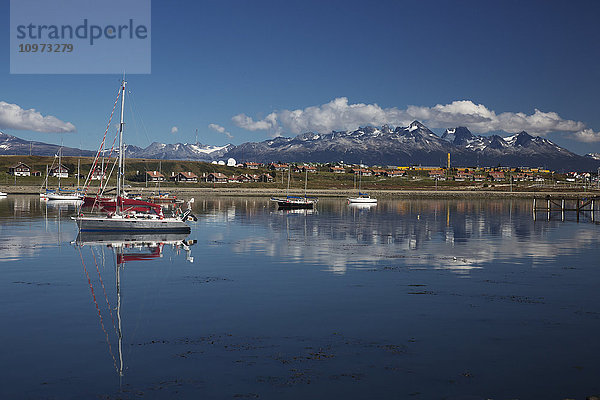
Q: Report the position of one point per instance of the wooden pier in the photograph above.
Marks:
(563, 204)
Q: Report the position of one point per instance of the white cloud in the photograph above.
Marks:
(220, 129)
(244, 121)
(338, 114)
(586, 135)
(14, 117)
(174, 129)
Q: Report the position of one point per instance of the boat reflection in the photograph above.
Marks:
(127, 248)
(362, 206)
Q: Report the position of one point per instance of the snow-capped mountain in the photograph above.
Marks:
(414, 144)
(179, 151)
(12, 145)
(594, 156)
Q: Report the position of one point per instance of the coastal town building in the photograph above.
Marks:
(337, 170)
(60, 171)
(154, 176)
(251, 165)
(217, 177)
(20, 169)
(186, 176)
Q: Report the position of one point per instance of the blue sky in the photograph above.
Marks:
(480, 63)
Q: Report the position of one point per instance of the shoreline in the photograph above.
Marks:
(187, 192)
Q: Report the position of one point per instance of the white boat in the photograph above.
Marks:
(124, 219)
(362, 198)
(60, 194)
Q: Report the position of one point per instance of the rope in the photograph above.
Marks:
(88, 180)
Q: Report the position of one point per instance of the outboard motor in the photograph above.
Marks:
(188, 215)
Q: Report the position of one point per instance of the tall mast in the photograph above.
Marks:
(287, 192)
(121, 127)
(305, 180)
(59, 165)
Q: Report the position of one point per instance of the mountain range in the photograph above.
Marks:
(416, 145)
(411, 145)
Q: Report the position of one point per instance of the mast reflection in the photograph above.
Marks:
(127, 247)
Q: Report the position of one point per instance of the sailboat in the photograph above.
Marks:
(62, 194)
(295, 202)
(132, 215)
(363, 198)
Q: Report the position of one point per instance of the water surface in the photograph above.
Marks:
(422, 299)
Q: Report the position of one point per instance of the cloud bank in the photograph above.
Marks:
(220, 129)
(14, 117)
(338, 114)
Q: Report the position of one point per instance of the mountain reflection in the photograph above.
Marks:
(458, 235)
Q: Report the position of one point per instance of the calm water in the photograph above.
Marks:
(409, 299)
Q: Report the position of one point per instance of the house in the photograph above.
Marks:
(265, 178)
(186, 176)
(497, 176)
(379, 172)
(479, 178)
(309, 168)
(20, 169)
(60, 171)
(97, 174)
(337, 170)
(217, 177)
(462, 176)
(243, 178)
(523, 176)
(395, 173)
(278, 167)
(154, 176)
(251, 165)
(361, 171)
(437, 174)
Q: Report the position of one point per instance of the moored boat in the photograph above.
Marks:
(130, 215)
(295, 202)
(362, 198)
(290, 202)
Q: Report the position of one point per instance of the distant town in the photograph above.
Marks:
(320, 174)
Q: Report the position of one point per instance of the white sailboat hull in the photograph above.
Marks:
(58, 196)
(362, 200)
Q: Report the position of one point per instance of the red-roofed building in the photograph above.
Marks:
(278, 167)
(395, 173)
(154, 176)
(251, 165)
(361, 171)
(186, 177)
(217, 177)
